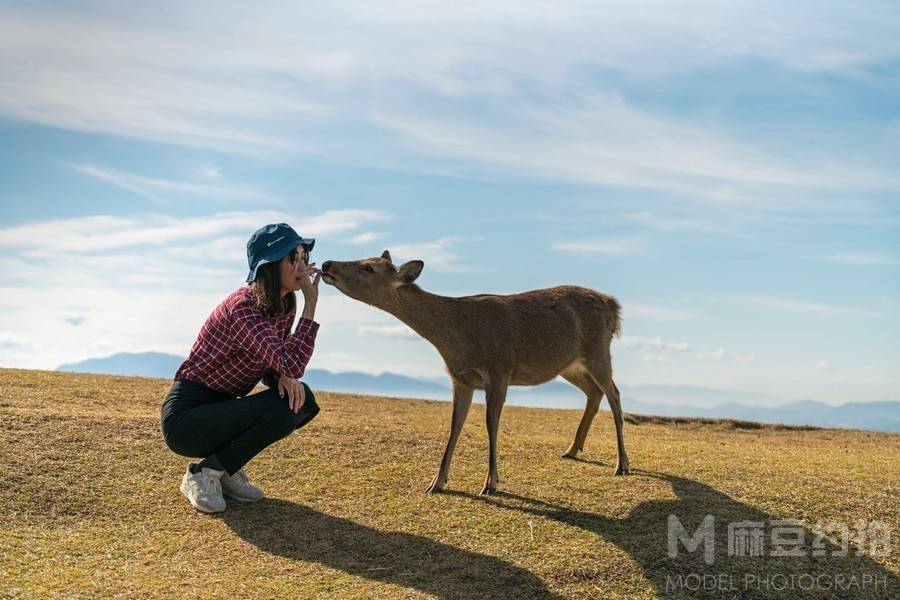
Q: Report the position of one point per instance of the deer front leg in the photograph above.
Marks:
(495, 396)
(462, 400)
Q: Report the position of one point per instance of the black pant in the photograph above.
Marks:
(197, 421)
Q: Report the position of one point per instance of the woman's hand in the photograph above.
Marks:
(296, 394)
(309, 277)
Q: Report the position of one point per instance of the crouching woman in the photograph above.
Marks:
(207, 412)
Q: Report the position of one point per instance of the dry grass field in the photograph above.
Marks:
(89, 504)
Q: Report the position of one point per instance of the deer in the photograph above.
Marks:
(490, 342)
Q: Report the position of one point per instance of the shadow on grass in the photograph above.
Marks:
(413, 561)
(597, 463)
(643, 534)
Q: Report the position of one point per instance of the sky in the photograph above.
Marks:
(728, 171)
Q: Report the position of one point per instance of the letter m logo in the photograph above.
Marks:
(705, 534)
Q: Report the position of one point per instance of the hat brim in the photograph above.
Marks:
(280, 253)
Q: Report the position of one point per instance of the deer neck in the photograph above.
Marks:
(423, 312)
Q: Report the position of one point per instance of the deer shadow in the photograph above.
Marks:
(644, 536)
(302, 533)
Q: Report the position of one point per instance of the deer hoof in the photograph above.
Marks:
(622, 470)
(435, 487)
(488, 491)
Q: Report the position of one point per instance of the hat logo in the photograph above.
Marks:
(275, 241)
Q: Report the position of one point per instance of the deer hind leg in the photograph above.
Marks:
(612, 393)
(602, 375)
(462, 400)
(495, 396)
(584, 382)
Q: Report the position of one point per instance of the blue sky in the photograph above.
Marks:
(729, 173)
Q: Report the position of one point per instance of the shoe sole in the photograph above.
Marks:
(241, 498)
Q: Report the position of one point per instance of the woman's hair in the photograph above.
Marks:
(267, 289)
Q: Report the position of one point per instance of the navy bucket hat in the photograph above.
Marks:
(272, 243)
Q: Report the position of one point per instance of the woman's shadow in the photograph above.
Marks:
(413, 561)
(742, 564)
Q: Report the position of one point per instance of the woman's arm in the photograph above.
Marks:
(257, 336)
(309, 309)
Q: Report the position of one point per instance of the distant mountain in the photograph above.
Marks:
(156, 364)
(386, 384)
(662, 400)
(876, 416)
(145, 364)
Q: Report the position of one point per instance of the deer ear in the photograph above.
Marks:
(410, 271)
(386, 256)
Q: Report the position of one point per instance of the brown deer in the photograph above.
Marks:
(491, 342)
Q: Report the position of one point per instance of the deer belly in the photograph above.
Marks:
(469, 377)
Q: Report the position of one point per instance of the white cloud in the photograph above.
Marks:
(211, 172)
(825, 366)
(116, 320)
(439, 254)
(118, 283)
(389, 331)
(366, 237)
(9, 340)
(609, 246)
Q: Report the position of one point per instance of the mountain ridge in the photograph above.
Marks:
(651, 399)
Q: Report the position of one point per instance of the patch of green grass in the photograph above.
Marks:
(89, 502)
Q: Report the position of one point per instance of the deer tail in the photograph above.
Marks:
(613, 317)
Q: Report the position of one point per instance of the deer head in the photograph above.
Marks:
(370, 280)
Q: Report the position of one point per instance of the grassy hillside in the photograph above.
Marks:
(89, 503)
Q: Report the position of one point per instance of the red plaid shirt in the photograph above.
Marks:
(238, 346)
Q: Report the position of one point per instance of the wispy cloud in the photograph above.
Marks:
(803, 307)
(440, 254)
(156, 189)
(862, 259)
(673, 223)
(294, 80)
(107, 232)
(661, 351)
(388, 331)
(211, 172)
(656, 313)
(366, 238)
(607, 246)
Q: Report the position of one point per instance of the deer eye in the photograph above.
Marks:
(368, 269)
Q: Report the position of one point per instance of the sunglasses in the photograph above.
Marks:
(302, 255)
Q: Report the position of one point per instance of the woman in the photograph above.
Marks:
(207, 413)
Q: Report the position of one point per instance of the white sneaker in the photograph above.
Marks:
(238, 486)
(204, 490)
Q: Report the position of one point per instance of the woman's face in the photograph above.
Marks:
(292, 267)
